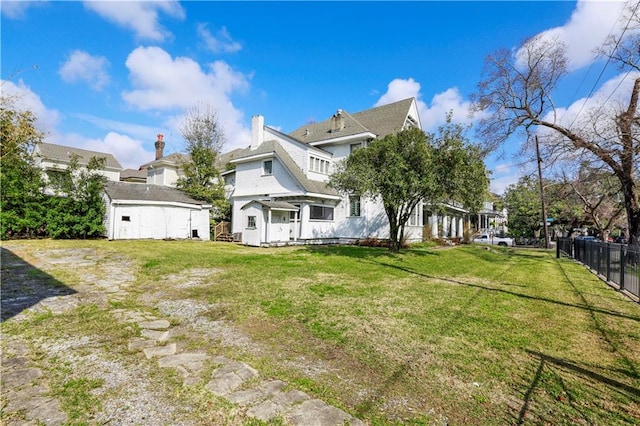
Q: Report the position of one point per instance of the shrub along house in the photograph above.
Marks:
(136, 208)
(279, 188)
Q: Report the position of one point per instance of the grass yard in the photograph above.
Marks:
(469, 335)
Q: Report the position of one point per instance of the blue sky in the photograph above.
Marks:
(111, 75)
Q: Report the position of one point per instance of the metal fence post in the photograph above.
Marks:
(623, 262)
(608, 262)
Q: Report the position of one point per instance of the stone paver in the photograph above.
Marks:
(155, 351)
(154, 325)
(181, 359)
(315, 412)
(25, 396)
(159, 336)
(232, 380)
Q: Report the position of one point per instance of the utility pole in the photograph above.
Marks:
(544, 204)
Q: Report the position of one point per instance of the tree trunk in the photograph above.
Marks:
(632, 207)
(394, 244)
(625, 173)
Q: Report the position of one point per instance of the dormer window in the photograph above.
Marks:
(319, 165)
(267, 167)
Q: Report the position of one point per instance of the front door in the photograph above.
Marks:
(294, 225)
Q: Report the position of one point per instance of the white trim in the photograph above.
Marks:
(357, 136)
(253, 157)
(160, 203)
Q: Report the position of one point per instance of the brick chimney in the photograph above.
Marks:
(337, 121)
(159, 147)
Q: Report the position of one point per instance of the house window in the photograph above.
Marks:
(319, 165)
(354, 146)
(126, 218)
(267, 167)
(251, 221)
(354, 205)
(415, 217)
(321, 213)
(59, 179)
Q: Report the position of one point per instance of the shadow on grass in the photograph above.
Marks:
(23, 285)
(547, 362)
(361, 252)
(584, 306)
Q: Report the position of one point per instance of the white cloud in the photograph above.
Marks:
(16, 9)
(433, 115)
(612, 96)
(140, 16)
(128, 151)
(163, 83)
(586, 30)
(134, 130)
(220, 43)
(504, 175)
(81, 66)
(27, 100)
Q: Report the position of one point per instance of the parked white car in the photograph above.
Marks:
(495, 240)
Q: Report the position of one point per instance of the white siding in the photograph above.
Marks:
(252, 236)
(133, 221)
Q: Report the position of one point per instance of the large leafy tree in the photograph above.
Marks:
(523, 203)
(517, 91)
(77, 208)
(461, 175)
(204, 138)
(397, 169)
(22, 209)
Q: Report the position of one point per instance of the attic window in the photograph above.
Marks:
(410, 123)
(267, 167)
(319, 165)
(126, 218)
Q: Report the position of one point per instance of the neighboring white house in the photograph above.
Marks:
(279, 190)
(490, 219)
(165, 170)
(137, 211)
(54, 158)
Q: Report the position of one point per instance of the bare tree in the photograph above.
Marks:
(517, 88)
(598, 193)
(204, 139)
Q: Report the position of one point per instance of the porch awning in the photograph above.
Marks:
(274, 205)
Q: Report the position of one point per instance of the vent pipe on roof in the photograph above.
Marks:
(159, 147)
(257, 131)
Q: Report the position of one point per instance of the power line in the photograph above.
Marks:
(626, 27)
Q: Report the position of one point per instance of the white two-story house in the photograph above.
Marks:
(280, 191)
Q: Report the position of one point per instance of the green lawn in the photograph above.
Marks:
(469, 335)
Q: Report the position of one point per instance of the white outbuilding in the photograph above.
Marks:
(145, 211)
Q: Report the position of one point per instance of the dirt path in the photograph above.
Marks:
(156, 376)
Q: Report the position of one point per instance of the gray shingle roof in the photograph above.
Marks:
(133, 174)
(311, 186)
(62, 153)
(176, 157)
(380, 121)
(146, 192)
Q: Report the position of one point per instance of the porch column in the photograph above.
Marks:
(445, 226)
(434, 225)
(268, 227)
